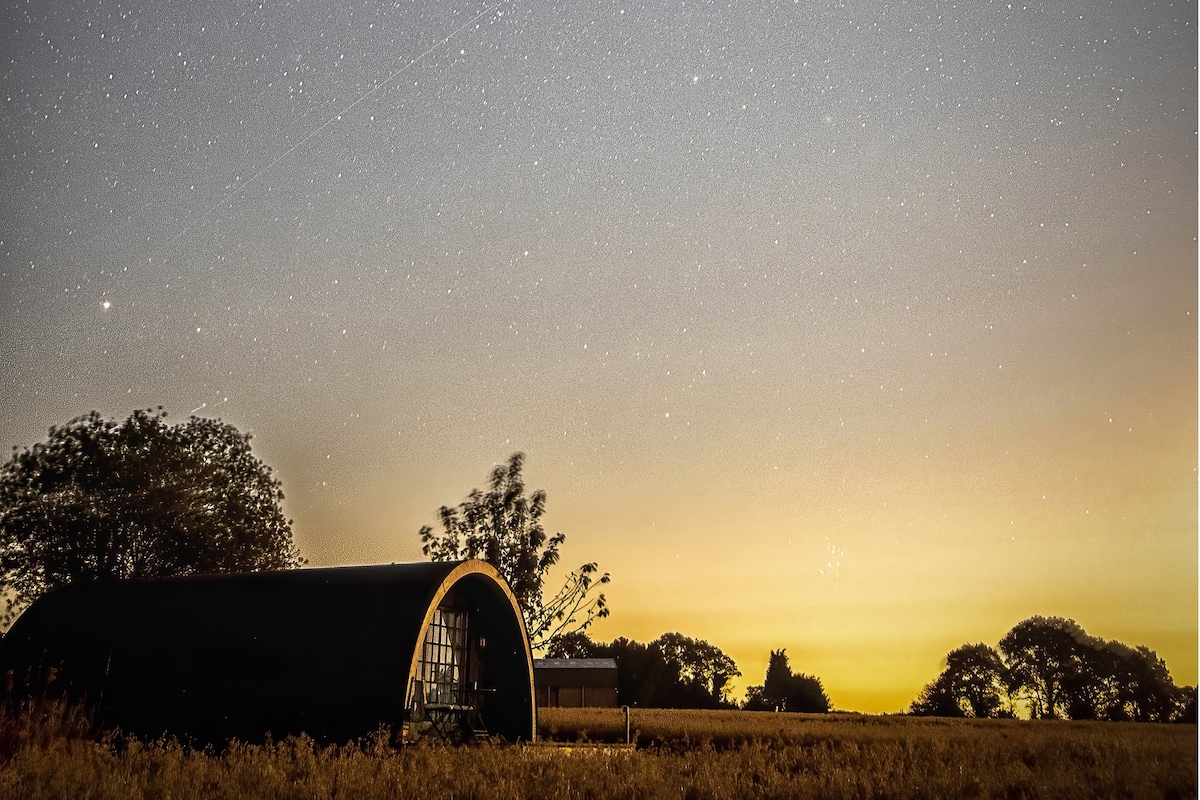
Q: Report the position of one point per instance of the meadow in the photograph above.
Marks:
(680, 754)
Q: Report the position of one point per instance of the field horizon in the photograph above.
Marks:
(47, 752)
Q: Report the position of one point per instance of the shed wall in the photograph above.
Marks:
(576, 683)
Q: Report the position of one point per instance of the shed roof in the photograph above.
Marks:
(574, 663)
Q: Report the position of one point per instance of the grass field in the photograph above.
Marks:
(681, 754)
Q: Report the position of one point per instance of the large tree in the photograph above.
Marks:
(502, 526)
(777, 680)
(784, 691)
(1147, 691)
(1056, 669)
(973, 684)
(101, 499)
(1045, 656)
(698, 665)
(1094, 689)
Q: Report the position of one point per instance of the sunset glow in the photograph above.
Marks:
(863, 331)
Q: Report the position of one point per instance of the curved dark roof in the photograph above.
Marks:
(328, 651)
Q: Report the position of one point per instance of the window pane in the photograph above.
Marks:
(443, 657)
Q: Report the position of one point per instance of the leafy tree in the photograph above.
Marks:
(643, 677)
(807, 695)
(102, 499)
(937, 699)
(1091, 689)
(755, 700)
(1185, 705)
(502, 526)
(572, 645)
(673, 671)
(977, 678)
(972, 684)
(1060, 671)
(1116, 682)
(698, 665)
(1044, 656)
(1148, 693)
(777, 679)
(784, 691)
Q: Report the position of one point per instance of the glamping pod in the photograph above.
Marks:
(429, 649)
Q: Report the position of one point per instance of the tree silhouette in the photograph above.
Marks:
(697, 664)
(502, 526)
(1092, 689)
(777, 680)
(1147, 693)
(572, 645)
(1044, 655)
(978, 677)
(972, 684)
(937, 699)
(1057, 670)
(643, 678)
(1186, 705)
(140, 498)
(673, 671)
(784, 691)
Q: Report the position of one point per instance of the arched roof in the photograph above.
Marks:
(328, 651)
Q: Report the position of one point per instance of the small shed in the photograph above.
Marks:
(576, 682)
(426, 649)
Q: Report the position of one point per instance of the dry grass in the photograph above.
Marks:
(689, 755)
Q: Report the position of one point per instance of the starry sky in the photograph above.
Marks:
(862, 329)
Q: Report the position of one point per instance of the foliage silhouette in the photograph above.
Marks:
(937, 699)
(1052, 667)
(102, 499)
(502, 526)
(673, 671)
(784, 691)
(1043, 654)
(778, 677)
(972, 685)
(1186, 710)
(1117, 682)
(700, 666)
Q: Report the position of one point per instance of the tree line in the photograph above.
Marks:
(677, 671)
(783, 691)
(102, 499)
(1052, 669)
(673, 671)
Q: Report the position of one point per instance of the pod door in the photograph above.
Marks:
(447, 699)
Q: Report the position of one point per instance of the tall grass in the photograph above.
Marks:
(688, 755)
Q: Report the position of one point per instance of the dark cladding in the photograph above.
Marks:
(331, 652)
(576, 682)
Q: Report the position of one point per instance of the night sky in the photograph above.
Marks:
(863, 329)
